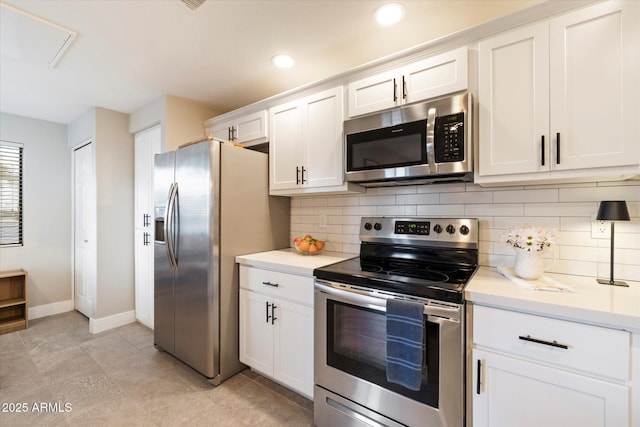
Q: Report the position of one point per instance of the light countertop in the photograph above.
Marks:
(291, 261)
(593, 303)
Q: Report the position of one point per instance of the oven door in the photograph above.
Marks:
(350, 361)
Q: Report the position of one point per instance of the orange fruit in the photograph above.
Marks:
(320, 245)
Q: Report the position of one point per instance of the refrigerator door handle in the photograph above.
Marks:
(169, 226)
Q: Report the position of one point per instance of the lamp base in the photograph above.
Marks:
(612, 282)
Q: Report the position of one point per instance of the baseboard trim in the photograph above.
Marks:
(114, 321)
(45, 310)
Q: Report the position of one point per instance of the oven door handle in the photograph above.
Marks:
(364, 299)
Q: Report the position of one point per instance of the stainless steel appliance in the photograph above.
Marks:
(426, 261)
(211, 203)
(419, 143)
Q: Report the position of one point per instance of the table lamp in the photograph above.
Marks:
(612, 211)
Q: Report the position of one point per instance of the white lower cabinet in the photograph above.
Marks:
(276, 326)
(530, 370)
(515, 392)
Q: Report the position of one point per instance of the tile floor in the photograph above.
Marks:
(65, 376)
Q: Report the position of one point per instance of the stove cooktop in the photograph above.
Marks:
(440, 282)
(424, 257)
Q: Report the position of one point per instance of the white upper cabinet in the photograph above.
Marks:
(248, 129)
(561, 97)
(305, 145)
(428, 78)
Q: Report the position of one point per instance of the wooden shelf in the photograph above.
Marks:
(13, 301)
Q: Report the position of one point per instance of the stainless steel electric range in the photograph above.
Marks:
(422, 260)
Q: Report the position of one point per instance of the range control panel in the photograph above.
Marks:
(419, 231)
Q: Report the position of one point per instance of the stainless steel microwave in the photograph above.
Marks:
(420, 143)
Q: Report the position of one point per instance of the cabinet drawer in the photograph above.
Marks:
(592, 349)
(281, 285)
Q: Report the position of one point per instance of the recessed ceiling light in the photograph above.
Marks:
(389, 14)
(283, 61)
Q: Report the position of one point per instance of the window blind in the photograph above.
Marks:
(10, 193)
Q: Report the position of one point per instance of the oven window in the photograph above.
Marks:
(356, 344)
(398, 146)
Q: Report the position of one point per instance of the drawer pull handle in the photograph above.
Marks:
(275, 285)
(545, 342)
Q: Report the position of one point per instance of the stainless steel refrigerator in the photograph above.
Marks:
(211, 203)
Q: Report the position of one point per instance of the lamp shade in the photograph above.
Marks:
(613, 210)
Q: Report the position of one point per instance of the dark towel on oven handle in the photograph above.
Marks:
(405, 342)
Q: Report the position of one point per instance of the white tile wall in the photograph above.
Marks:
(568, 209)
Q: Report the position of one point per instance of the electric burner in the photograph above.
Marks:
(430, 258)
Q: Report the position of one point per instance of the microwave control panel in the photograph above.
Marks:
(449, 138)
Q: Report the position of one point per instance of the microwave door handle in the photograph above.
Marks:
(431, 124)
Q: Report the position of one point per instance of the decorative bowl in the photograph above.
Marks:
(309, 246)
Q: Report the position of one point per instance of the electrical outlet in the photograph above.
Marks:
(322, 221)
(600, 229)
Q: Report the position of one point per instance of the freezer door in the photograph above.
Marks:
(197, 283)
(163, 178)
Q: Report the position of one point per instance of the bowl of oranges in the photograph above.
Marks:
(307, 245)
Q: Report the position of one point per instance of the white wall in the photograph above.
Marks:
(180, 120)
(46, 254)
(568, 209)
(109, 131)
(114, 191)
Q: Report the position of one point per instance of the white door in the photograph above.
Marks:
(251, 127)
(594, 86)
(513, 100)
(285, 146)
(514, 392)
(147, 144)
(435, 76)
(293, 346)
(375, 93)
(84, 199)
(256, 331)
(322, 134)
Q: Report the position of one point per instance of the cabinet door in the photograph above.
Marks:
(251, 127)
(256, 333)
(285, 146)
(595, 82)
(513, 99)
(322, 132)
(293, 341)
(436, 76)
(147, 144)
(514, 392)
(220, 131)
(375, 93)
(143, 253)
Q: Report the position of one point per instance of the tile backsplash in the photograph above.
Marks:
(568, 209)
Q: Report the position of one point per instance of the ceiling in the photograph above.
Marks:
(127, 54)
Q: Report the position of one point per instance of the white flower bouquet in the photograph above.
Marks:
(530, 238)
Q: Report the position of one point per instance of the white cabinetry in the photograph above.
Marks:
(251, 128)
(147, 144)
(559, 100)
(533, 370)
(305, 145)
(276, 326)
(428, 78)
